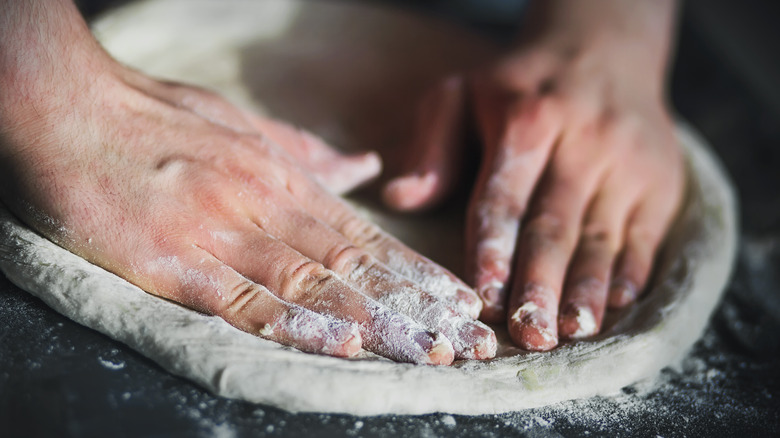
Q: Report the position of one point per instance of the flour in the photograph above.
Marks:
(440, 284)
(586, 323)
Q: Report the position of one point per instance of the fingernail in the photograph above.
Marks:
(346, 341)
(475, 340)
(577, 322)
(410, 191)
(532, 329)
(493, 309)
(437, 347)
(622, 292)
(370, 161)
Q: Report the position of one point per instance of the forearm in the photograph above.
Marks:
(48, 62)
(44, 45)
(639, 30)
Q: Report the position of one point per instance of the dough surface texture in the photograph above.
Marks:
(169, 38)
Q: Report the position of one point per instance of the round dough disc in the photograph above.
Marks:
(350, 73)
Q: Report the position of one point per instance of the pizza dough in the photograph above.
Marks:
(310, 58)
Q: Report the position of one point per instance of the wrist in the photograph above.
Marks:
(635, 34)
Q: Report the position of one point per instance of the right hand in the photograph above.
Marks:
(193, 200)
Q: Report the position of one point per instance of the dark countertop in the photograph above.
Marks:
(58, 378)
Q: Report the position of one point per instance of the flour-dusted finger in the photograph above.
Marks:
(434, 156)
(645, 232)
(318, 241)
(198, 280)
(336, 171)
(548, 238)
(517, 139)
(584, 299)
(470, 339)
(300, 280)
(401, 259)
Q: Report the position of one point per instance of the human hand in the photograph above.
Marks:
(580, 179)
(196, 201)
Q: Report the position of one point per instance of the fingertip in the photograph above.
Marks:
(577, 323)
(473, 340)
(485, 344)
(534, 338)
(370, 162)
(530, 329)
(622, 292)
(347, 173)
(350, 344)
(410, 192)
(493, 309)
(438, 349)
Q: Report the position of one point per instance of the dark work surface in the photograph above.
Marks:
(58, 378)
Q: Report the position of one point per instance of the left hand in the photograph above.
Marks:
(580, 179)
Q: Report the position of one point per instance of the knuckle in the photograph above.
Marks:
(538, 108)
(620, 129)
(599, 233)
(347, 260)
(549, 228)
(643, 236)
(499, 202)
(304, 281)
(240, 297)
(361, 233)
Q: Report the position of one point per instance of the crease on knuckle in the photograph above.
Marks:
(347, 260)
(304, 282)
(549, 229)
(598, 233)
(241, 296)
(362, 233)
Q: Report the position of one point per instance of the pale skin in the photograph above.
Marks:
(581, 173)
(231, 214)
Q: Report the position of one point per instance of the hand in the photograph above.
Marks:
(196, 201)
(581, 176)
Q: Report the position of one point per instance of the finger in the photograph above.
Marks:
(318, 241)
(517, 138)
(644, 233)
(546, 244)
(198, 280)
(435, 154)
(388, 250)
(337, 172)
(300, 280)
(587, 282)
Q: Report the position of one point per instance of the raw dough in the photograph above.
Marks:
(172, 38)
